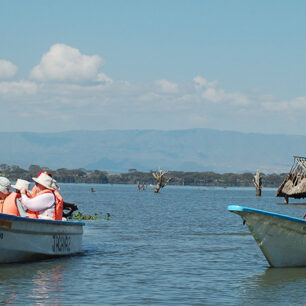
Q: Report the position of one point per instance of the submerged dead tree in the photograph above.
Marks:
(141, 187)
(161, 180)
(294, 184)
(258, 183)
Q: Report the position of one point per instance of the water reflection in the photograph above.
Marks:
(262, 287)
(282, 275)
(48, 285)
(35, 282)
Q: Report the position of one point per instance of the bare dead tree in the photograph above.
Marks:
(258, 183)
(141, 186)
(161, 180)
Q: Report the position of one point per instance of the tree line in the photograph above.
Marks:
(81, 175)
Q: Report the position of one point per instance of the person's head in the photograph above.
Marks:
(5, 185)
(21, 184)
(54, 184)
(44, 181)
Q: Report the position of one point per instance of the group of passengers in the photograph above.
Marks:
(42, 202)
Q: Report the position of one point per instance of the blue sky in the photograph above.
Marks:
(230, 65)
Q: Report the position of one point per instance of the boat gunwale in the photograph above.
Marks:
(13, 218)
(237, 209)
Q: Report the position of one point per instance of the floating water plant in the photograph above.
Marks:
(80, 216)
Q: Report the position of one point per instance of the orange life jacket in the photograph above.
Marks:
(58, 213)
(1, 205)
(32, 214)
(9, 205)
(58, 210)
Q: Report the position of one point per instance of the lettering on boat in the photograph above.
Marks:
(6, 223)
(1, 235)
(61, 243)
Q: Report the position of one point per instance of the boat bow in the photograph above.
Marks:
(281, 238)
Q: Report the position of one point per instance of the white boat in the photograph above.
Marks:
(281, 238)
(23, 239)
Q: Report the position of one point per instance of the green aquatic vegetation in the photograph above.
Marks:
(80, 216)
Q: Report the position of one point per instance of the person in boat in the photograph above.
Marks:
(5, 186)
(59, 204)
(62, 205)
(45, 201)
(11, 203)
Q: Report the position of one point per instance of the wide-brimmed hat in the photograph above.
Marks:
(21, 184)
(54, 184)
(44, 180)
(5, 185)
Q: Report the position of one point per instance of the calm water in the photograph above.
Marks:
(181, 246)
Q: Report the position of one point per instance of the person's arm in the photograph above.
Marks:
(38, 203)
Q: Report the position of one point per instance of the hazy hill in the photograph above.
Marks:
(185, 150)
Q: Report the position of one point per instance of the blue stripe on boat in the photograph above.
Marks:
(16, 218)
(237, 208)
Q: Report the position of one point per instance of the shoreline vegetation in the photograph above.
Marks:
(133, 176)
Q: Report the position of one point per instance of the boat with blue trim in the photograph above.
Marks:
(25, 239)
(281, 238)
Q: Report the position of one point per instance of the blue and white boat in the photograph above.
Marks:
(281, 238)
(24, 239)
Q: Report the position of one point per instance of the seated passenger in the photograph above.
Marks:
(10, 203)
(5, 185)
(32, 194)
(43, 204)
(59, 200)
(34, 190)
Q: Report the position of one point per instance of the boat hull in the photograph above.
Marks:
(24, 239)
(281, 238)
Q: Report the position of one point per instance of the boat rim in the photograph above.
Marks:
(43, 221)
(237, 208)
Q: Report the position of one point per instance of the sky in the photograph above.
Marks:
(162, 64)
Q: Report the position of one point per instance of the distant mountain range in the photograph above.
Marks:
(184, 150)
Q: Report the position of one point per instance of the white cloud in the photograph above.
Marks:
(21, 88)
(220, 96)
(7, 69)
(103, 78)
(213, 95)
(295, 105)
(166, 86)
(64, 63)
(200, 82)
(74, 89)
(238, 99)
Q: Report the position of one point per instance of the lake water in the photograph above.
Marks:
(181, 246)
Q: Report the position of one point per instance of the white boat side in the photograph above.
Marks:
(25, 239)
(281, 238)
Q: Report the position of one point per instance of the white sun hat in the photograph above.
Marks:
(5, 185)
(45, 180)
(21, 184)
